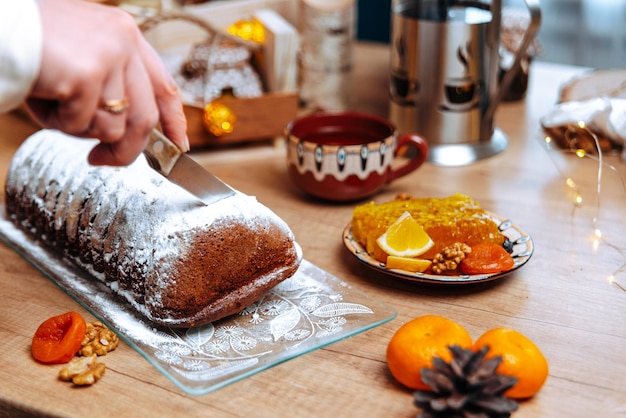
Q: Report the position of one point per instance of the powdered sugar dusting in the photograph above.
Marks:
(143, 208)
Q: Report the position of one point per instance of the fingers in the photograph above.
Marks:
(67, 104)
(83, 113)
(110, 125)
(171, 114)
(141, 117)
(75, 115)
(83, 68)
(152, 97)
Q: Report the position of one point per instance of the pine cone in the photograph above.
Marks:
(467, 387)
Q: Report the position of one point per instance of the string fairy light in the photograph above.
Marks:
(615, 282)
(572, 138)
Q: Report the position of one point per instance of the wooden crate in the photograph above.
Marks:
(257, 119)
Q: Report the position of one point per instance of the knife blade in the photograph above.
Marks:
(168, 160)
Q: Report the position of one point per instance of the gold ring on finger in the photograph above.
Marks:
(115, 106)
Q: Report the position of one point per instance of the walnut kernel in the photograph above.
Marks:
(83, 371)
(98, 340)
(450, 257)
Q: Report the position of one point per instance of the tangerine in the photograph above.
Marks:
(416, 343)
(521, 358)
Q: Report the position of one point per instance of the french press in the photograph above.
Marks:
(445, 79)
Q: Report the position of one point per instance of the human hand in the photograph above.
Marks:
(94, 54)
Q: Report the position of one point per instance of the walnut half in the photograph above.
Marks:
(83, 371)
(98, 340)
(450, 257)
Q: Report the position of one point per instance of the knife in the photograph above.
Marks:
(167, 159)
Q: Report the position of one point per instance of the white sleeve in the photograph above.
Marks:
(20, 50)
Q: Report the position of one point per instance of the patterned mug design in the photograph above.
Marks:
(348, 156)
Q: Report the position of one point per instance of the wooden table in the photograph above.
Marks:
(562, 299)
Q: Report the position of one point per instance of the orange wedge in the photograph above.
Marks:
(405, 238)
(413, 265)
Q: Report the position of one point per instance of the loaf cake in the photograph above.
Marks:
(176, 261)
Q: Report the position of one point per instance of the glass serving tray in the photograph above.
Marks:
(306, 312)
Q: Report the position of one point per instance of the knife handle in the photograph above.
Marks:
(161, 153)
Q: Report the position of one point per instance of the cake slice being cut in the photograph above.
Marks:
(176, 261)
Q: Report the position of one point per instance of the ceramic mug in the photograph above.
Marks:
(346, 156)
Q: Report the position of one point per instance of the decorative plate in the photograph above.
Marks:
(310, 310)
(522, 251)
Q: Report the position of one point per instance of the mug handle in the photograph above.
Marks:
(409, 143)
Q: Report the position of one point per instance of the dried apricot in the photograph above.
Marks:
(59, 338)
(485, 258)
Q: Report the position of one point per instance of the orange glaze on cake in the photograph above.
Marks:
(447, 220)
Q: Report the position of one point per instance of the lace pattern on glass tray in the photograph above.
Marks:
(308, 311)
